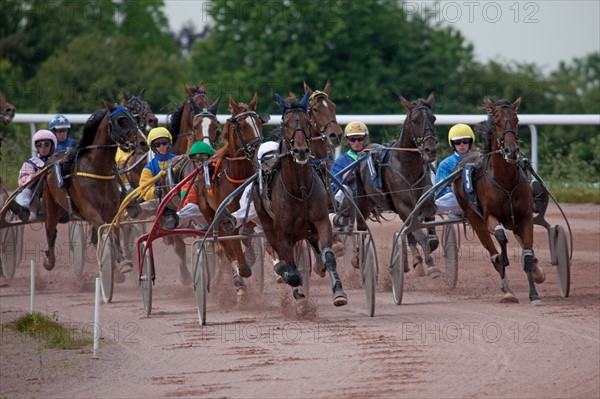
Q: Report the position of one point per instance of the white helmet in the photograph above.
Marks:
(266, 147)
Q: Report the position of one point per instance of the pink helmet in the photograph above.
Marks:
(41, 135)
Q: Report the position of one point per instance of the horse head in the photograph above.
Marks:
(122, 127)
(504, 124)
(146, 119)
(418, 130)
(7, 111)
(243, 130)
(322, 113)
(205, 125)
(295, 127)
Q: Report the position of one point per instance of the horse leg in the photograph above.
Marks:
(432, 270)
(486, 240)
(535, 274)
(497, 229)
(323, 228)
(50, 258)
(417, 262)
(180, 250)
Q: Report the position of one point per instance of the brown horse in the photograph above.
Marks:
(194, 120)
(403, 176)
(84, 180)
(326, 132)
(7, 111)
(146, 119)
(233, 165)
(297, 208)
(503, 195)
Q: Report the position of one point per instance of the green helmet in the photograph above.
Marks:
(200, 147)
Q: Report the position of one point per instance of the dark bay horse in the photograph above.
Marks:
(503, 195)
(194, 120)
(234, 163)
(7, 111)
(140, 109)
(404, 175)
(298, 205)
(86, 183)
(326, 132)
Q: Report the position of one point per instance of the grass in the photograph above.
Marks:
(50, 331)
(576, 195)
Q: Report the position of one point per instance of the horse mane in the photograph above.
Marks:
(174, 125)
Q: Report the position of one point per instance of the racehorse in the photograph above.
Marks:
(402, 175)
(194, 120)
(326, 132)
(7, 111)
(502, 194)
(146, 119)
(84, 180)
(233, 165)
(297, 206)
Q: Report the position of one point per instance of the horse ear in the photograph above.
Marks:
(108, 105)
(141, 95)
(516, 104)
(233, 107)
(327, 88)
(202, 87)
(195, 107)
(431, 100)
(188, 91)
(406, 104)
(304, 101)
(124, 101)
(307, 88)
(126, 96)
(283, 105)
(488, 104)
(254, 102)
(215, 105)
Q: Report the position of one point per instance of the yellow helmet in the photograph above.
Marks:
(356, 128)
(460, 131)
(159, 132)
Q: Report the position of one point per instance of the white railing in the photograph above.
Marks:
(532, 120)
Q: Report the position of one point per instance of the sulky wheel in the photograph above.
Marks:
(563, 263)
(450, 246)
(369, 273)
(77, 246)
(12, 247)
(107, 260)
(398, 266)
(201, 279)
(147, 276)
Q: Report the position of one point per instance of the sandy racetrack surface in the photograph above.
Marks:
(440, 342)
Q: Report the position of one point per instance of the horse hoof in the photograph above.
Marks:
(302, 306)
(244, 270)
(434, 272)
(420, 270)
(48, 264)
(118, 277)
(539, 275)
(340, 298)
(241, 295)
(338, 249)
(509, 298)
(537, 302)
(280, 267)
(354, 262)
(278, 279)
(319, 268)
(126, 266)
(293, 279)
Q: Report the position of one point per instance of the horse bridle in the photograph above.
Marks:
(119, 132)
(507, 128)
(428, 129)
(297, 126)
(206, 114)
(248, 148)
(142, 109)
(314, 98)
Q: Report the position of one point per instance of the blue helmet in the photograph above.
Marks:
(59, 122)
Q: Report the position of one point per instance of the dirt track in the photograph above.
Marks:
(438, 343)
